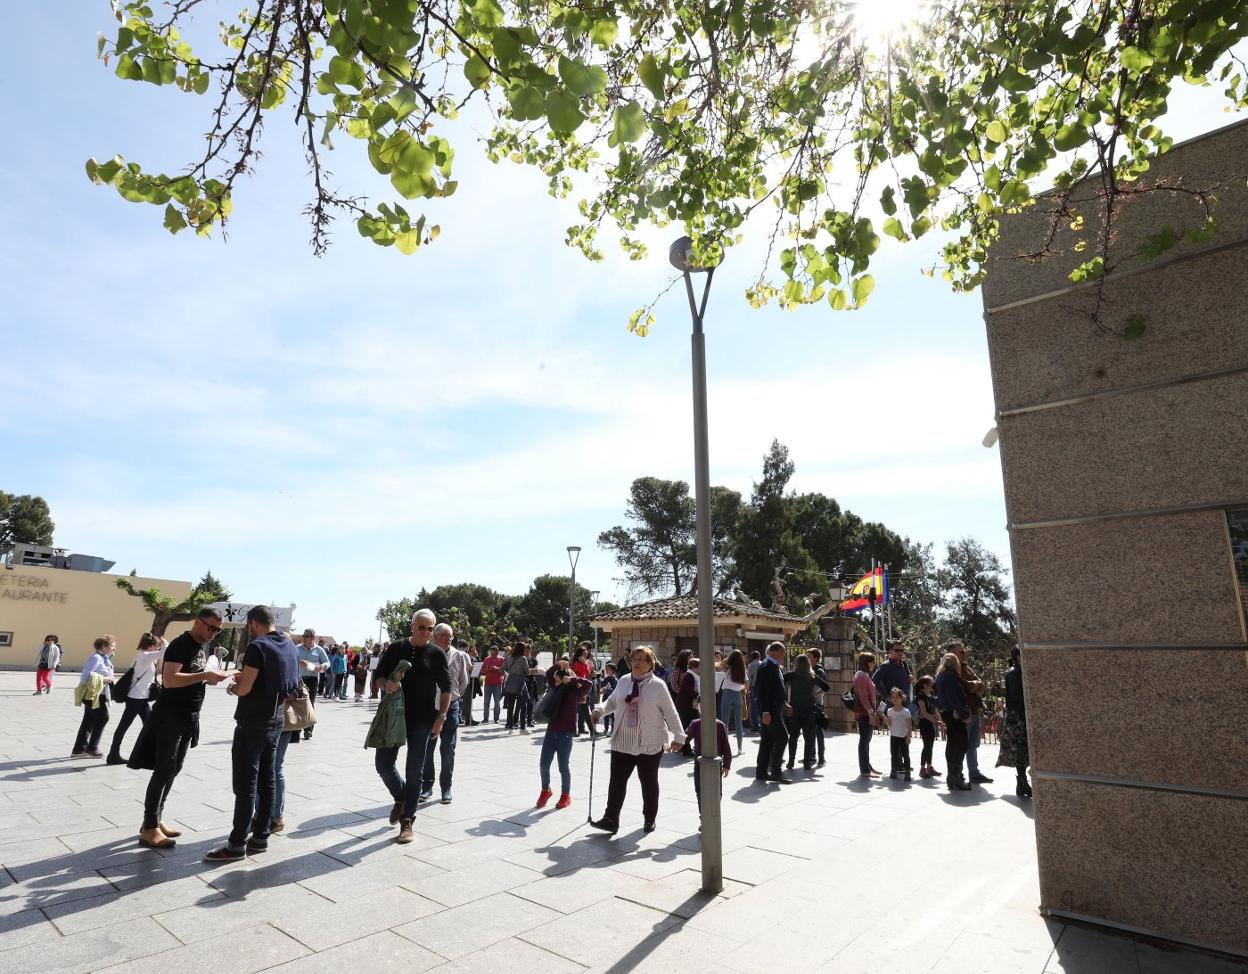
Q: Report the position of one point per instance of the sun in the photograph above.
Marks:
(881, 23)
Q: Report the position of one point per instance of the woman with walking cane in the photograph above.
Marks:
(571, 688)
(646, 716)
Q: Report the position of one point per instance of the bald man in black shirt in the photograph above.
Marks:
(426, 700)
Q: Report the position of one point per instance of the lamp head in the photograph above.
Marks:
(680, 255)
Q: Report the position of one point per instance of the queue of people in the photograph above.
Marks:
(645, 710)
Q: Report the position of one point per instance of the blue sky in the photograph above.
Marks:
(340, 431)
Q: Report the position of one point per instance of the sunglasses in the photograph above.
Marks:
(424, 628)
(212, 628)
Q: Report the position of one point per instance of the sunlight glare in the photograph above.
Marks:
(882, 23)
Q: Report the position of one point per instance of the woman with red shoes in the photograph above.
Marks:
(559, 732)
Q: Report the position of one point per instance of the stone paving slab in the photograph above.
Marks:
(493, 885)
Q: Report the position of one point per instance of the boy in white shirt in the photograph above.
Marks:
(900, 727)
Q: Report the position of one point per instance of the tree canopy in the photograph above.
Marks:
(24, 519)
(844, 120)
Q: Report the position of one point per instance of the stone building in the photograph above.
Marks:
(1126, 489)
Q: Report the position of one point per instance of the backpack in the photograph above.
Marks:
(45, 655)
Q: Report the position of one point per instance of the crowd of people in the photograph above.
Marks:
(645, 708)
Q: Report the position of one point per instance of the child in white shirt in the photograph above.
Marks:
(900, 727)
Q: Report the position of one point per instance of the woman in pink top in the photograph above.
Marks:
(865, 701)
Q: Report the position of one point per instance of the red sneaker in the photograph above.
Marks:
(564, 801)
(544, 797)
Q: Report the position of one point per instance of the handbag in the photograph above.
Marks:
(298, 714)
(121, 689)
(548, 706)
(849, 700)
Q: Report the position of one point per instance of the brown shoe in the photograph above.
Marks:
(155, 839)
(405, 832)
(277, 825)
(172, 833)
(396, 812)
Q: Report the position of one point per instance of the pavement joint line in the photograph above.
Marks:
(547, 950)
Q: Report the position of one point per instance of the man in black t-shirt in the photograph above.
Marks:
(426, 700)
(269, 674)
(174, 721)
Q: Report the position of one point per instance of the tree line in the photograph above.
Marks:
(482, 615)
(803, 540)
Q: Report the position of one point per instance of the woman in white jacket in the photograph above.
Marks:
(151, 649)
(645, 714)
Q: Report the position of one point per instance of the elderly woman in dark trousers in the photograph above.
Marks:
(645, 715)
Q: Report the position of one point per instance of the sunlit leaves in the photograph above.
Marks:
(706, 119)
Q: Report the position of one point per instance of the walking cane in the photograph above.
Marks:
(589, 809)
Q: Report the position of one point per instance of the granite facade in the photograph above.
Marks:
(1153, 860)
(1119, 460)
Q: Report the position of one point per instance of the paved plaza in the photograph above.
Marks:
(828, 874)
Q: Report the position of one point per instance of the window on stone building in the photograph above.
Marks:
(1238, 523)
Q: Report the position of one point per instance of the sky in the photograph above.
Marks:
(335, 432)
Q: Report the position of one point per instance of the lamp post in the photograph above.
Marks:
(709, 763)
(574, 553)
(593, 598)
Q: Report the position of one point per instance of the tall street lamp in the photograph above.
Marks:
(574, 553)
(709, 763)
(593, 598)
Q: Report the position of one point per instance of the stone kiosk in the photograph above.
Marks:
(1126, 477)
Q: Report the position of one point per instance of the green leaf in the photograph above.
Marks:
(407, 242)
(893, 228)
(563, 112)
(173, 219)
(128, 68)
(486, 14)
(996, 132)
(527, 103)
(837, 299)
(630, 122)
(1071, 137)
(345, 72)
(1133, 59)
(888, 202)
(604, 32)
(200, 84)
(477, 72)
(862, 287)
(582, 78)
(411, 185)
(651, 75)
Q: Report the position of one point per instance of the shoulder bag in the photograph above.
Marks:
(298, 713)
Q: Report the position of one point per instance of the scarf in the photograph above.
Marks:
(633, 700)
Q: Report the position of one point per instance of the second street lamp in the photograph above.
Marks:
(574, 553)
(709, 763)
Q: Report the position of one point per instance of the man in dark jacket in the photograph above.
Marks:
(773, 707)
(894, 673)
(269, 674)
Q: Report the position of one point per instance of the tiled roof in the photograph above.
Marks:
(686, 607)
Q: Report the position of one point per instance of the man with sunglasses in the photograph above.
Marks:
(174, 721)
(313, 662)
(426, 701)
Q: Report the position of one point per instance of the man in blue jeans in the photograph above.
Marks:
(270, 673)
(427, 702)
(459, 671)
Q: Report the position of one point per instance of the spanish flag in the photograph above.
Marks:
(871, 588)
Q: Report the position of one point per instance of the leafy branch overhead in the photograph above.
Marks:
(700, 114)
